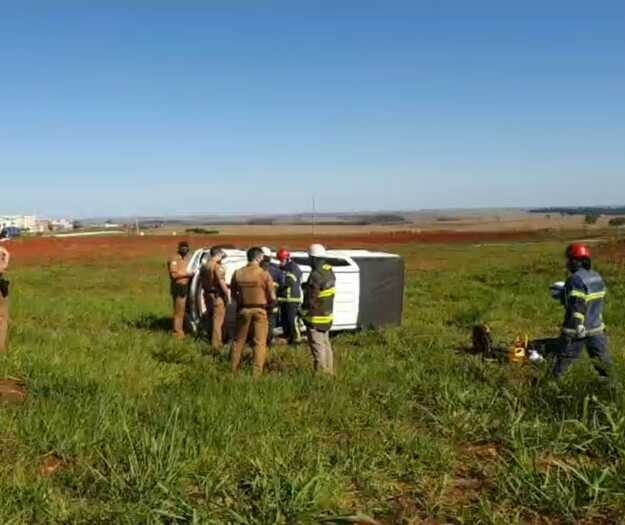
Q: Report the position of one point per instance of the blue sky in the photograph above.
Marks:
(228, 107)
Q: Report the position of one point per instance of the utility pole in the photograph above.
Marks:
(137, 225)
(313, 217)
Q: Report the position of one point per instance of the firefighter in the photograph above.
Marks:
(277, 275)
(216, 295)
(318, 307)
(179, 278)
(5, 257)
(253, 291)
(290, 296)
(583, 297)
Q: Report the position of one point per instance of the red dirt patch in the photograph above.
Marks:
(51, 464)
(12, 391)
(48, 250)
(482, 451)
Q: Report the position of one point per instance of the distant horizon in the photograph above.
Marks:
(421, 211)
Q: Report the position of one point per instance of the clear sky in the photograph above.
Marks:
(154, 107)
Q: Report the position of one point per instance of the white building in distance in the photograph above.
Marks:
(23, 222)
(33, 224)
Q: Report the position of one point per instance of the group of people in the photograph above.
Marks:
(263, 293)
(262, 290)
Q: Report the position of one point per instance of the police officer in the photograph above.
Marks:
(216, 295)
(290, 296)
(318, 308)
(583, 297)
(5, 257)
(253, 291)
(277, 275)
(179, 277)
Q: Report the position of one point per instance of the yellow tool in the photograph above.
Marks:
(518, 353)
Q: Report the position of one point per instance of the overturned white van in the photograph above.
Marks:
(369, 287)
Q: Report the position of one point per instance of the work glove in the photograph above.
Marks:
(580, 331)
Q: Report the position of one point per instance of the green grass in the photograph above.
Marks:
(154, 431)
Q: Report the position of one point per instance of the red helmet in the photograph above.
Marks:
(283, 255)
(578, 251)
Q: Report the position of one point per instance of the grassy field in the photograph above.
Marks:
(124, 425)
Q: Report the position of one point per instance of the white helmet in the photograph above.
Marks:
(317, 250)
(266, 251)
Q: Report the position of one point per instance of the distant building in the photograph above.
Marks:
(23, 222)
(33, 224)
(61, 225)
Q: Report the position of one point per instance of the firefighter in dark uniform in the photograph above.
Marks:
(179, 286)
(583, 297)
(290, 296)
(277, 275)
(318, 309)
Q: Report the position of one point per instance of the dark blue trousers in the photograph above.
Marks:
(288, 318)
(571, 351)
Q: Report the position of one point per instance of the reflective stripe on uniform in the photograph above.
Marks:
(319, 319)
(579, 316)
(330, 292)
(589, 333)
(596, 331)
(578, 294)
(294, 300)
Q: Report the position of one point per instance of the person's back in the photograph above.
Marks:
(253, 290)
(212, 275)
(250, 285)
(583, 297)
(276, 273)
(587, 287)
(292, 289)
(209, 274)
(277, 277)
(216, 296)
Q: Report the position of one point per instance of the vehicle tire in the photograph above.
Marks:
(195, 305)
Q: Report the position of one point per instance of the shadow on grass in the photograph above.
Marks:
(151, 323)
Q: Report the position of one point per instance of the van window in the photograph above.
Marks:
(332, 261)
